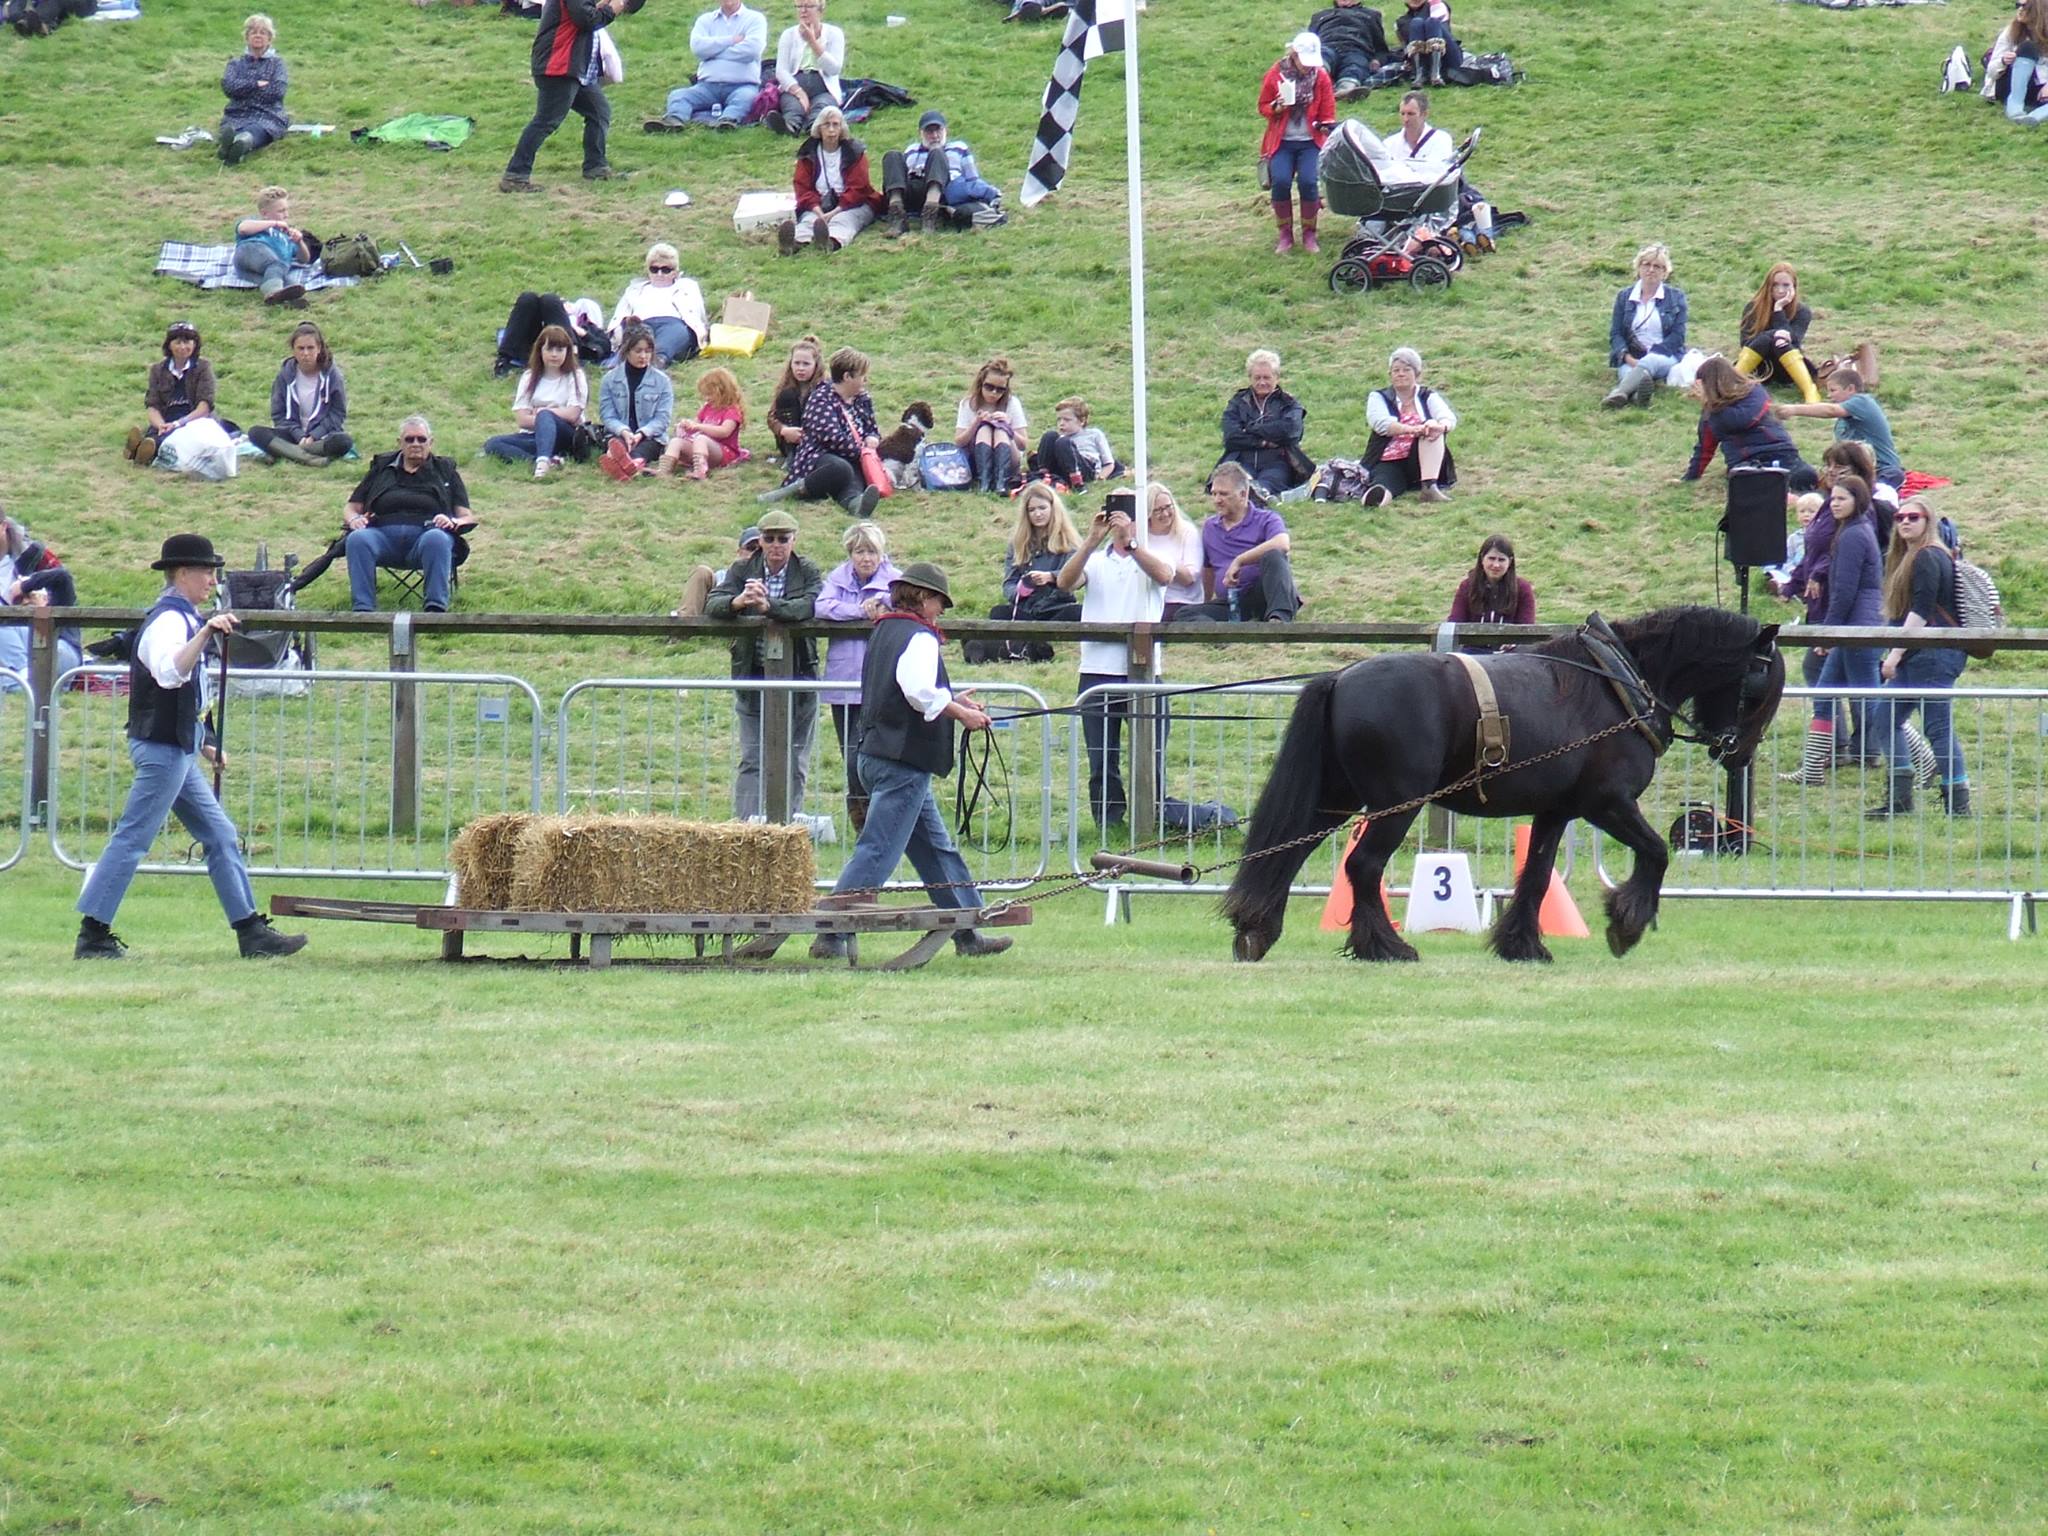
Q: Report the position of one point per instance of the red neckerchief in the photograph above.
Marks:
(919, 621)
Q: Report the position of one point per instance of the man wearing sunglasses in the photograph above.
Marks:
(409, 513)
(773, 584)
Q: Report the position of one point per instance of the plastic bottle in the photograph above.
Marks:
(1235, 616)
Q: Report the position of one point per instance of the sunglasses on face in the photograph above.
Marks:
(777, 538)
(418, 442)
(1909, 517)
(657, 271)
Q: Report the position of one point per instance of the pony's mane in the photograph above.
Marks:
(1678, 650)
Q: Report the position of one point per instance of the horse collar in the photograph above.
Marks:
(1619, 668)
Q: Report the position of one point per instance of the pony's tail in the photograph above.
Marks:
(1290, 806)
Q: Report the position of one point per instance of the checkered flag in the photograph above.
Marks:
(1094, 27)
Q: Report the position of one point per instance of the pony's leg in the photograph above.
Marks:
(1257, 907)
(1632, 905)
(1519, 934)
(1372, 936)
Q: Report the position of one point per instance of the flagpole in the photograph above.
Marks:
(1134, 202)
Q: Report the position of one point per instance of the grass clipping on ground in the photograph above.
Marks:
(524, 863)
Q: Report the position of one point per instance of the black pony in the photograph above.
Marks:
(1386, 730)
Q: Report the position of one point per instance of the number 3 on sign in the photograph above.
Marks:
(1443, 882)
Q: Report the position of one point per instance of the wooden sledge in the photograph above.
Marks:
(742, 936)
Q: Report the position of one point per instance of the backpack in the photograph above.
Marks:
(351, 256)
(1483, 69)
(944, 467)
(1978, 605)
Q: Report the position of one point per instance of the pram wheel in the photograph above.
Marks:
(1428, 273)
(1354, 277)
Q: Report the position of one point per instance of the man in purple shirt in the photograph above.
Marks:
(1245, 571)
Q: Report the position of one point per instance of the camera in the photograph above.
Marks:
(1124, 501)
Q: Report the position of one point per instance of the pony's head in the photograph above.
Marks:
(1735, 716)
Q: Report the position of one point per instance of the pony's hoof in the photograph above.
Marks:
(1250, 947)
(1620, 941)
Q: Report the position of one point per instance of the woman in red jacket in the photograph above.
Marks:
(834, 197)
(1493, 592)
(1300, 108)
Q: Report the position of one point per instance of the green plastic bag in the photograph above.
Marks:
(428, 129)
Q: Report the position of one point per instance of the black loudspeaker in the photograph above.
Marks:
(1754, 524)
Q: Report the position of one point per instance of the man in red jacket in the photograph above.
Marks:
(566, 75)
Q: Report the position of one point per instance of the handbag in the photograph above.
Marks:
(872, 469)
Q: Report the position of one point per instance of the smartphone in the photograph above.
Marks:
(1124, 501)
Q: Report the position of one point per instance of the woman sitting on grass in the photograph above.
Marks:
(835, 197)
(1646, 333)
(668, 304)
(1773, 330)
(1492, 592)
(180, 388)
(308, 405)
(254, 83)
(711, 438)
(990, 427)
(1411, 425)
(635, 401)
(801, 374)
(2016, 69)
(839, 421)
(548, 406)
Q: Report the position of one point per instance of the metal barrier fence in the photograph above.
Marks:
(15, 693)
(671, 746)
(1218, 746)
(348, 774)
(1815, 841)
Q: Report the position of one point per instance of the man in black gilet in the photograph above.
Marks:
(906, 724)
(166, 737)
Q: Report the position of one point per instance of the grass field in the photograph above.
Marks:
(1740, 1234)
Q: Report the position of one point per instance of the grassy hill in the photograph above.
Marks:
(1741, 131)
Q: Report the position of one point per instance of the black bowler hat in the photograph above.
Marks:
(183, 549)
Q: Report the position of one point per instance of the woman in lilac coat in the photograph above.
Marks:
(857, 588)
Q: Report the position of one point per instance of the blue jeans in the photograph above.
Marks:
(1655, 364)
(14, 639)
(167, 779)
(549, 439)
(1926, 669)
(1297, 161)
(714, 100)
(903, 817)
(2020, 80)
(401, 547)
(261, 265)
(673, 340)
(1848, 666)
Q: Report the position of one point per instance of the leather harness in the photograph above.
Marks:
(1613, 663)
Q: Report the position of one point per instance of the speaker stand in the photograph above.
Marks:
(1741, 798)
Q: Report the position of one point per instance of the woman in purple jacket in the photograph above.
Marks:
(857, 588)
(1854, 587)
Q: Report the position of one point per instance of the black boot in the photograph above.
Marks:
(96, 941)
(1955, 799)
(260, 941)
(1436, 62)
(1898, 802)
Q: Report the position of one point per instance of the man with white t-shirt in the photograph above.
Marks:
(1126, 585)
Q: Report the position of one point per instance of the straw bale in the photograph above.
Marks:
(483, 857)
(658, 864)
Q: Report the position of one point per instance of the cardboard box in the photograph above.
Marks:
(762, 210)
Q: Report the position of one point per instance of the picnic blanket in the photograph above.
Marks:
(1859, 5)
(1916, 483)
(116, 10)
(213, 266)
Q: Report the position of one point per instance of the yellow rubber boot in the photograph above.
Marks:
(1794, 364)
(1749, 363)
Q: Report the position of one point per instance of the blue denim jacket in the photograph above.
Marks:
(1670, 310)
(656, 399)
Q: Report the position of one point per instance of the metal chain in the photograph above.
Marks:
(1478, 773)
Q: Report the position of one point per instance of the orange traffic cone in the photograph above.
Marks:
(1559, 917)
(1337, 905)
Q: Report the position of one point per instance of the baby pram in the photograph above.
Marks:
(1405, 231)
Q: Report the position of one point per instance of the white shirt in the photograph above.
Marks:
(1119, 592)
(680, 300)
(967, 413)
(792, 54)
(917, 674)
(157, 649)
(1648, 325)
(1379, 418)
(1181, 549)
(306, 394)
(1424, 161)
(556, 389)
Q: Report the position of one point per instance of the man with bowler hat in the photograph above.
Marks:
(167, 736)
(906, 720)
